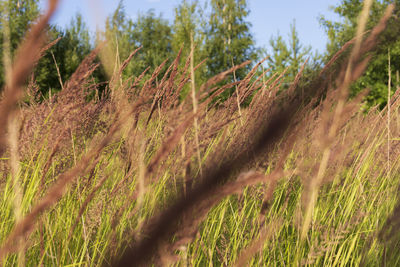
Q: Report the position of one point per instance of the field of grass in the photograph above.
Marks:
(142, 176)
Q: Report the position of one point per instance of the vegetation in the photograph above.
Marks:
(289, 58)
(120, 166)
(377, 75)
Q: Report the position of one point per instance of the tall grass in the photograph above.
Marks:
(141, 176)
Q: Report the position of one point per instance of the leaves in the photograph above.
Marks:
(229, 41)
(376, 75)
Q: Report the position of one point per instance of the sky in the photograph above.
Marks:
(268, 17)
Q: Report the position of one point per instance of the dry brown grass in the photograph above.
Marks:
(157, 135)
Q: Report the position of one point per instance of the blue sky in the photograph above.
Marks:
(268, 17)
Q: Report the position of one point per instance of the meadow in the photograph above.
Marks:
(140, 175)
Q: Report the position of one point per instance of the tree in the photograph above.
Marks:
(229, 41)
(66, 55)
(73, 46)
(17, 16)
(376, 75)
(118, 36)
(154, 34)
(187, 29)
(279, 57)
(186, 26)
(291, 55)
(151, 32)
(298, 53)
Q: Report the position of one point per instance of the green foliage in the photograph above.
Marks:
(69, 51)
(291, 56)
(298, 53)
(229, 41)
(73, 46)
(151, 32)
(349, 212)
(187, 27)
(154, 34)
(45, 73)
(376, 75)
(118, 35)
(280, 54)
(18, 16)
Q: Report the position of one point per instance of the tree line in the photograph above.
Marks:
(217, 29)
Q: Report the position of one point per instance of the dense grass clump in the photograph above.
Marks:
(141, 175)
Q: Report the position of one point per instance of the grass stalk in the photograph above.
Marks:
(195, 104)
(342, 97)
(110, 195)
(389, 104)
